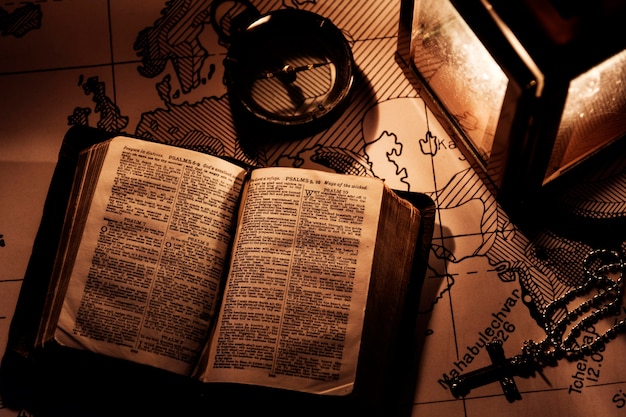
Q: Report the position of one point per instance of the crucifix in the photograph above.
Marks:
(501, 369)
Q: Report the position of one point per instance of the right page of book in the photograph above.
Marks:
(292, 314)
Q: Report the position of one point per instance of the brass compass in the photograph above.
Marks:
(289, 72)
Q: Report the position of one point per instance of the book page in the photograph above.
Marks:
(293, 309)
(147, 272)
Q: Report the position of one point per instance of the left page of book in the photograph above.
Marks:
(145, 268)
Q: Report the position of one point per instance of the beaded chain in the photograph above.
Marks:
(553, 347)
(536, 356)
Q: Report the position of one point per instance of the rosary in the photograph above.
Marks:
(604, 272)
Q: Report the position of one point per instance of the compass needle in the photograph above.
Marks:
(310, 66)
(288, 71)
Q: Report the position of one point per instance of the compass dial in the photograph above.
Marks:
(290, 68)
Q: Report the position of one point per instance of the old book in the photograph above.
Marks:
(287, 282)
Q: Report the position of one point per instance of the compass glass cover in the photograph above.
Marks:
(290, 67)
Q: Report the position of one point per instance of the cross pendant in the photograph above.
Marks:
(501, 369)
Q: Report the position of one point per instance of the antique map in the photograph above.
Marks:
(155, 69)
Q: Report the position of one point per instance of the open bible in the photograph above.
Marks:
(284, 278)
